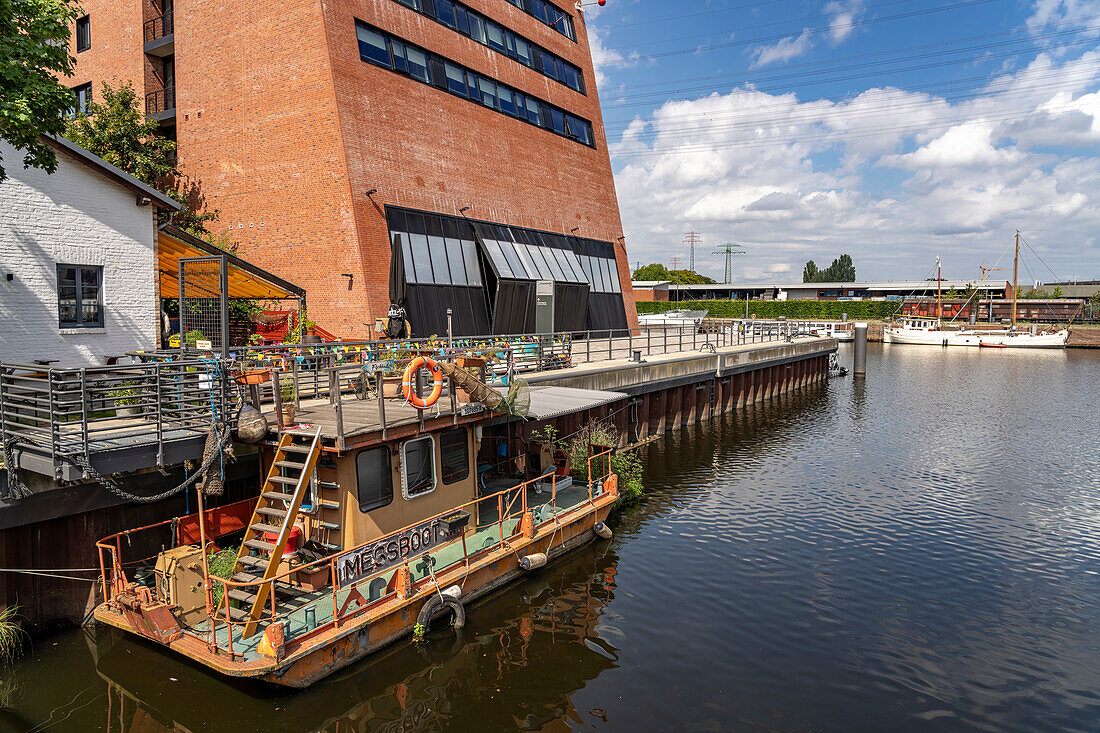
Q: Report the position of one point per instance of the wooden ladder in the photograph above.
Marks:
(275, 513)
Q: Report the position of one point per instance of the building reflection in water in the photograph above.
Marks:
(533, 644)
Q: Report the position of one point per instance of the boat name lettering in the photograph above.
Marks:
(389, 551)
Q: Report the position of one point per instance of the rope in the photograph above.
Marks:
(16, 489)
(45, 574)
(84, 462)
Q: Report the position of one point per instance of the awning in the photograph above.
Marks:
(245, 279)
(548, 402)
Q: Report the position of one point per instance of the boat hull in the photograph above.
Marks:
(325, 651)
(931, 338)
(1027, 341)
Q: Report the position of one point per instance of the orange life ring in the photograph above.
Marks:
(407, 382)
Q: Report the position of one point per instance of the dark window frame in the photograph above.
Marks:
(81, 107)
(83, 33)
(434, 484)
(452, 478)
(388, 473)
(466, 19)
(79, 287)
(547, 116)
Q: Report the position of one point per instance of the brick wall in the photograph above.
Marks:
(286, 129)
(74, 216)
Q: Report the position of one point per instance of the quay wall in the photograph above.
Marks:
(665, 392)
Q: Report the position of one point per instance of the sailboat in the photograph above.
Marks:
(929, 331)
(1015, 339)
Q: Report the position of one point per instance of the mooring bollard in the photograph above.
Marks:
(859, 361)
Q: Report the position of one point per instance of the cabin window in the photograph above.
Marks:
(373, 478)
(418, 466)
(454, 455)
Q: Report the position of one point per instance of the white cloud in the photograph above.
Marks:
(890, 176)
(785, 50)
(841, 17)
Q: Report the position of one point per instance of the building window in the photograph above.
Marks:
(469, 23)
(384, 50)
(79, 296)
(418, 466)
(83, 33)
(374, 481)
(83, 99)
(454, 455)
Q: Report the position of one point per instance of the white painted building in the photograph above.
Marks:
(78, 260)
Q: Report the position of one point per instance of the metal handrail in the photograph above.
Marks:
(158, 27)
(160, 100)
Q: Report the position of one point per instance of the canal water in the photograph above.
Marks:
(919, 550)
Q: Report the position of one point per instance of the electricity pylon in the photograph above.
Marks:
(691, 239)
(729, 249)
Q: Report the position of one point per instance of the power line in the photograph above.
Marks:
(634, 58)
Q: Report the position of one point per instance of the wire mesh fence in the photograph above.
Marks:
(204, 304)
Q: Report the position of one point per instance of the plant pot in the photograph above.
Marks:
(289, 411)
(471, 362)
(314, 579)
(254, 376)
(454, 523)
(391, 386)
(127, 411)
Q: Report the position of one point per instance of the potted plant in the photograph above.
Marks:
(286, 393)
(454, 523)
(127, 401)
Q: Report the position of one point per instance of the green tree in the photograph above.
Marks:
(654, 271)
(1058, 292)
(116, 130)
(34, 53)
(843, 270)
(657, 271)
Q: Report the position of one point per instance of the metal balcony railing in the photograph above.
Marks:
(160, 100)
(159, 27)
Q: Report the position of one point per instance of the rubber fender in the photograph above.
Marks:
(455, 591)
(530, 562)
(437, 603)
(602, 530)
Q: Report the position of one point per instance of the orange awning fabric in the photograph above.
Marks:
(245, 279)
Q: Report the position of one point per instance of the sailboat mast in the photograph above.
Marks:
(1015, 278)
(939, 289)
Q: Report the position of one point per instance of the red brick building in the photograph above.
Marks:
(330, 135)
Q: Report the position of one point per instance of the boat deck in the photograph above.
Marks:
(485, 534)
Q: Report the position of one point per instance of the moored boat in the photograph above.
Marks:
(356, 541)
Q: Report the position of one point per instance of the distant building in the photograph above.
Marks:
(78, 271)
(652, 290)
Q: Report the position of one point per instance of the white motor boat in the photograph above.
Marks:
(928, 332)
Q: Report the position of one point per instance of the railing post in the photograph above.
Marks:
(54, 427)
(160, 421)
(588, 347)
(84, 409)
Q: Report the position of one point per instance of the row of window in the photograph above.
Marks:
(382, 49)
(433, 260)
(374, 479)
(549, 14)
(489, 33)
(79, 296)
(533, 262)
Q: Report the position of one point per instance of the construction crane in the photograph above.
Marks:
(729, 249)
(985, 269)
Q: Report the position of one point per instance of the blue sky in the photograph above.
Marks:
(891, 130)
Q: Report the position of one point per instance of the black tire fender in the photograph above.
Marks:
(438, 603)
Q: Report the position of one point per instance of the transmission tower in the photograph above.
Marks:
(729, 249)
(691, 239)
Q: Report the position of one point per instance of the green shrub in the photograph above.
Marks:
(220, 564)
(625, 464)
(11, 633)
(193, 337)
(864, 310)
